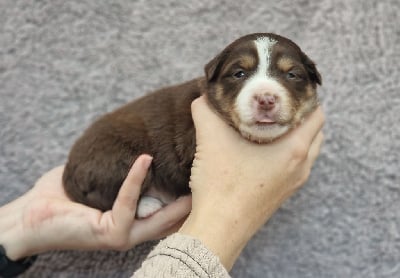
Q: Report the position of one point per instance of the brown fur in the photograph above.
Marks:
(160, 124)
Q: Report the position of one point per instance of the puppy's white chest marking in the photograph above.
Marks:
(147, 206)
(152, 201)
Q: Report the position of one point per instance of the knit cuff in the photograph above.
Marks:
(187, 256)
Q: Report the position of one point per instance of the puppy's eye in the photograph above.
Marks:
(239, 74)
(294, 76)
(291, 75)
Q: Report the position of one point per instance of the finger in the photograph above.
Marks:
(315, 147)
(309, 129)
(124, 208)
(204, 117)
(164, 220)
(51, 178)
(311, 157)
(197, 106)
(207, 121)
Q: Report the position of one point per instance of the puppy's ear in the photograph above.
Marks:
(214, 66)
(315, 76)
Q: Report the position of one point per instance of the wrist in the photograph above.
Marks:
(223, 235)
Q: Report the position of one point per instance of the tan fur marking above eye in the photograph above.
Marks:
(285, 64)
(247, 62)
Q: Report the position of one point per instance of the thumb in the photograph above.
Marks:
(124, 208)
(206, 121)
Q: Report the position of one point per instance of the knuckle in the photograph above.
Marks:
(300, 151)
(302, 179)
(306, 175)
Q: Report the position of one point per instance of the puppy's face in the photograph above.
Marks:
(263, 85)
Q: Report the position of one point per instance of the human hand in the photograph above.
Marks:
(45, 219)
(237, 184)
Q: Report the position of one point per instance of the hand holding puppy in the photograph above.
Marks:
(45, 219)
(237, 185)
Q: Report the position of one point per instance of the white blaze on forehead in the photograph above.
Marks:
(264, 48)
(261, 82)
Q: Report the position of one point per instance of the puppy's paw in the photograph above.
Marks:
(148, 206)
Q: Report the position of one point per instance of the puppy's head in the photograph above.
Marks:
(263, 85)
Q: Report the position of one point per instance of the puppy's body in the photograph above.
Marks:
(159, 124)
(261, 84)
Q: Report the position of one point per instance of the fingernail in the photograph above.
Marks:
(147, 159)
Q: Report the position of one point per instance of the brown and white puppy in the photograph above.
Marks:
(262, 85)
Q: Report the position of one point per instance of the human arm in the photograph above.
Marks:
(45, 219)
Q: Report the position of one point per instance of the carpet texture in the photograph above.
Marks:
(64, 63)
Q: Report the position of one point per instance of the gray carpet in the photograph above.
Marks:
(63, 63)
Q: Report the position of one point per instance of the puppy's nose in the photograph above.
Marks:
(266, 101)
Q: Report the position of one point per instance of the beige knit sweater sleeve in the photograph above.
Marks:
(181, 256)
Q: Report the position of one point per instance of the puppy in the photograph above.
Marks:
(261, 84)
